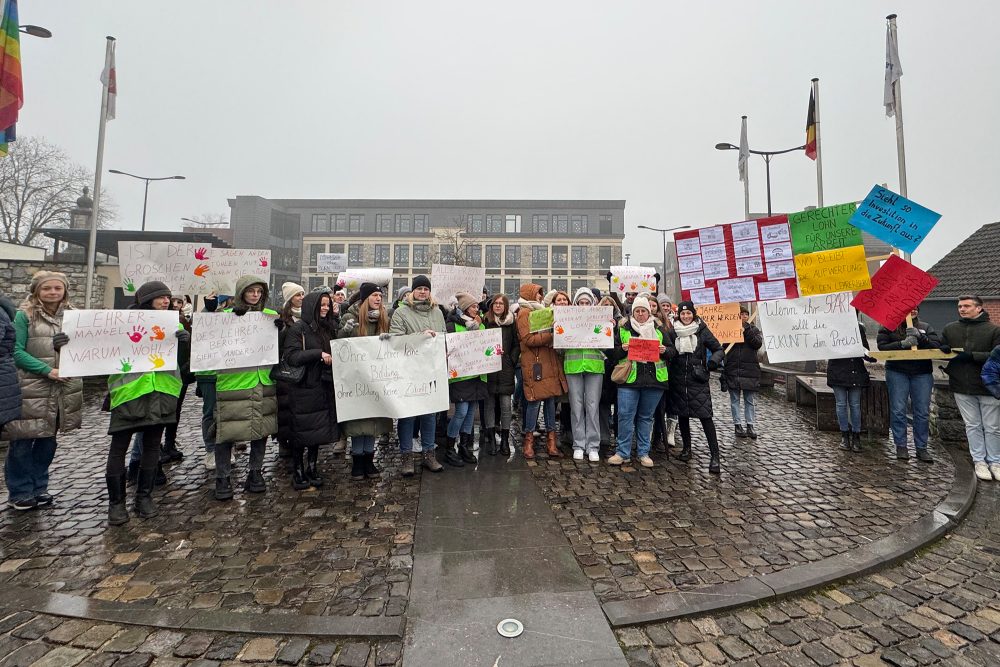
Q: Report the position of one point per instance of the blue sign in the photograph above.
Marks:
(893, 218)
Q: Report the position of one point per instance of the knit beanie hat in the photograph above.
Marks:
(44, 276)
(290, 289)
(466, 301)
(549, 298)
(583, 292)
(686, 305)
(641, 302)
(366, 290)
(402, 292)
(421, 281)
(744, 309)
(149, 291)
(663, 300)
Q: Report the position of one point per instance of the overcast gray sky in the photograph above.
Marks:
(570, 99)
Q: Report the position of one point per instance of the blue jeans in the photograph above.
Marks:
(917, 390)
(749, 406)
(207, 414)
(531, 414)
(635, 415)
(136, 449)
(428, 425)
(26, 468)
(462, 420)
(981, 415)
(848, 408)
(362, 444)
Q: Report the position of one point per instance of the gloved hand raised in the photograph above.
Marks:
(183, 335)
(279, 323)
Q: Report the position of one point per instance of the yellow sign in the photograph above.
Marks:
(723, 320)
(832, 271)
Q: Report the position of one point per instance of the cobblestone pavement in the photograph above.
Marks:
(791, 497)
(940, 607)
(344, 549)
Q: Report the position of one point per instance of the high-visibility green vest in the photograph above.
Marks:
(244, 378)
(125, 387)
(459, 328)
(583, 361)
(661, 367)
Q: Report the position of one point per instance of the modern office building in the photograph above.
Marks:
(561, 244)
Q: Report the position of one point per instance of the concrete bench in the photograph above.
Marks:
(814, 392)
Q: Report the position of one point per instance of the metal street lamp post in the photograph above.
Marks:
(767, 162)
(147, 179)
(35, 30)
(663, 278)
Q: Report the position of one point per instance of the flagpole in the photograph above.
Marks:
(746, 182)
(98, 170)
(819, 148)
(898, 94)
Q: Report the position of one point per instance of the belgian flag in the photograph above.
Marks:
(811, 128)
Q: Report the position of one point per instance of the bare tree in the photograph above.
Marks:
(453, 245)
(39, 186)
(210, 220)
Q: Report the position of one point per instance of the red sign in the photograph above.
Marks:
(897, 288)
(643, 349)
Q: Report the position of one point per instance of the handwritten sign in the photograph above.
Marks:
(472, 353)
(826, 228)
(189, 268)
(810, 328)
(352, 279)
(107, 342)
(583, 327)
(841, 270)
(541, 319)
(331, 262)
(897, 288)
(898, 221)
(448, 280)
(644, 349)
(402, 376)
(723, 320)
(226, 341)
(633, 279)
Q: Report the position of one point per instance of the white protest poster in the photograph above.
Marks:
(189, 268)
(402, 376)
(227, 265)
(107, 342)
(472, 353)
(586, 327)
(353, 278)
(700, 297)
(331, 262)
(633, 279)
(690, 246)
(810, 328)
(448, 280)
(221, 341)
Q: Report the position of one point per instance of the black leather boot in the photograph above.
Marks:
(223, 488)
(144, 506)
(255, 482)
(357, 467)
(752, 434)
(169, 453)
(117, 512)
(855, 442)
(371, 472)
(845, 440)
(491, 442)
(685, 454)
(465, 449)
(505, 442)
(451, 457)
(312, 469)
(299, 481)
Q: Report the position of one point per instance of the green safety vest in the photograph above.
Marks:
(583, 361)
(661, 367)
(244, 378)
(459, 328)
(125, 387)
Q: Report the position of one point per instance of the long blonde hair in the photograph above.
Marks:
(32, 305)
(381, 325)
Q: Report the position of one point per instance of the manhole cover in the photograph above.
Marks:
(510, 627)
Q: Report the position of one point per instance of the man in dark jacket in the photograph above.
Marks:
(976, 336)
(742, 374)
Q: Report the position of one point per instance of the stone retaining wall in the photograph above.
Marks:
(15, 278)
(946, 421)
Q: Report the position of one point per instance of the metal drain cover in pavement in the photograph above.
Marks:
(510, 627)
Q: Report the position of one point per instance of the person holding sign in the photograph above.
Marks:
(642, 389)
(848, 378)
(246, 401)
(741, 373)
(689, 374)
(542, 372)
(500, 385)
(464, 392)
(49, 404)
(585, 374)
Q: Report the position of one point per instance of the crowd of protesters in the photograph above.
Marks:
(612, 408)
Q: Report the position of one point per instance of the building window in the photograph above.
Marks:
(314, 282)
(543, 283)
(338, 222)
(383, 223)
(474, 255)
(446, 253)
(475, 223)
(578, 224)
(540, 224)
(513, 256)
(420, 255)
(397, 284)
(381, 254)
(604, 256)
(513, 224)
(579, 257)
(402, 255)
(357, 222)
(492, 286)
(605, 227)
(420, 223)
(403, 223)
(540, 256)
(559, 284)
(560, 224)
(355, 254)
(321, 222)
(493, 257)
(577, 284)
(494, 224)
(559, 257)
(336, 247)
(315, 249)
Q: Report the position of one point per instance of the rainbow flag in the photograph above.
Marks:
(11, 90)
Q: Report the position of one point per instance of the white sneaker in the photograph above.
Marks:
(617, 460)
(577, 454)
(646, 462)
(995, 469)
(210, 461)
(595, 457)
(983, 471)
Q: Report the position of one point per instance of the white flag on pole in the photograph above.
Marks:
(109, 79)
(893, 72)
(744, 152)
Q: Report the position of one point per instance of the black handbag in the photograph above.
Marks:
(285, 372)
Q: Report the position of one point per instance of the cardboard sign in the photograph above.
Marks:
(108, 342)
(810, 328)
(831, 271)
(897, 288)
(189, 268)
(541, 319)
(448, 280)
(900, 222)
(402, 376)
(826, 228)
(221, 341)
(644, 349)
(353, 278)
(633, 279)
(723, 320)
(583, 327)
(472, 353)
(331, 262)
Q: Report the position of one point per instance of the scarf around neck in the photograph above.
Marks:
(530, 305)
(687, 336)
(645, 330)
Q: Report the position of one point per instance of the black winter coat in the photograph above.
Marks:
(689, 394)
(742, 370)
(851, 372)
(284, 402)
(502, 382)
(10, 386)
(977, 336)
(472, 389)
(312, 413)
(892, 340)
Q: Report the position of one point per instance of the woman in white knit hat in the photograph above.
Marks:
(291, 312)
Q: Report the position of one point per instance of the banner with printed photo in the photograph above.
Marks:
(723, 320)
(831, 271)
(810, 328)
(900, 222)
(897, 288)
(583, 327)
(107, 342)
(402, 376)
(632, 279)
(352, 279)
(448, 280)
(331, 262)
(189, 268)
(472, 353)
(222, 341)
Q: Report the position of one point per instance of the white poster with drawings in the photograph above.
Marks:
(736, 289)
(473, 353)
(780, 270)
(778, 251)
(713, 253)
(702, 296)
(810, 328)
(750, 266)
(189, 268)
(352, 279)
(744, 230)
(587, 327)
(633, 279)
(775, 233)
(746, 248)
(692, 280)
(710, 235)
(109, 342)
(690, 246)
(688, 263)
(447, 280)
(716, 270)
(772, 290)
(222, 341)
